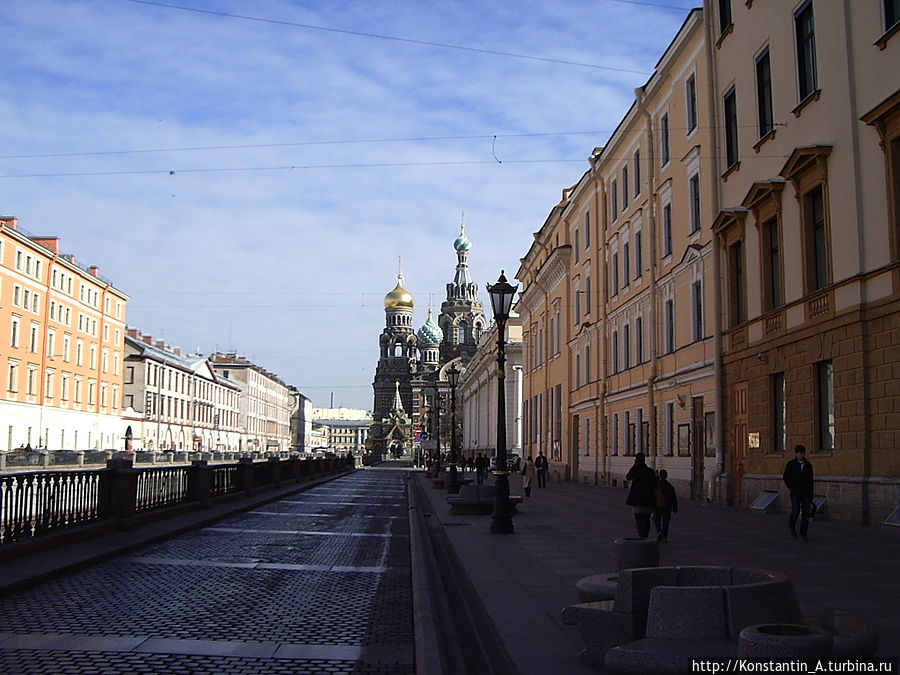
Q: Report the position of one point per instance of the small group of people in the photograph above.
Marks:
(651, 498)
(534, 467)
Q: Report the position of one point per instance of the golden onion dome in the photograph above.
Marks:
(399, 297)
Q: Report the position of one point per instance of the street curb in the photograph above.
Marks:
(426, 636)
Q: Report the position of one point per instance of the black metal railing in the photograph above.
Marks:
(161, 487)
(39, 503)
(33, 504)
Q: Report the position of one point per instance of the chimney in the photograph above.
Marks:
(49, 242)
(134, 333)
(162, 345)
(93, 269)
(147, 338)
(177, 351)
(10, 221)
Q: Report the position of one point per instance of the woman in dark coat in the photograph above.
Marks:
(642, 494)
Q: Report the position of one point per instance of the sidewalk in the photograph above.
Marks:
(566, 531)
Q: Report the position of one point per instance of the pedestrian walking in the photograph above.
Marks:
(641, 494)
(528, 471)
(541, 465)
(666, 505)
(798, 476)
(481, 465)
(470, 464)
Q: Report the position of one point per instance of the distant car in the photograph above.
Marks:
(513, 462)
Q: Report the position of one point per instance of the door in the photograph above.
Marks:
(738, 437)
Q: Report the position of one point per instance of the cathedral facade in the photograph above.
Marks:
(412, 396)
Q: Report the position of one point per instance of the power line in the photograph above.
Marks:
(378, 36)
(289, 144)
(173, 172)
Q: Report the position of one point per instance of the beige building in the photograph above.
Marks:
(617, 298)
(348, 428)
(174, 402)
(808, 99)
(266, 403)
(477, 394)
(708, 294)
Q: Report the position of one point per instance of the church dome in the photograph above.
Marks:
(462, 242)
(399, 297)
(430, 335)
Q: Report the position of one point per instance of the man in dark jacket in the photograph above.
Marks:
(541, 465)
(798, 476)
(642, 494)
(666, 505)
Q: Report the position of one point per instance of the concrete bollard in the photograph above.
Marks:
(631, 552)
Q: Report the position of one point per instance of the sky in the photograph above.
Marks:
(252, 174)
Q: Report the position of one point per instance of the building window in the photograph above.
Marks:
(764, 93)
(772, 264)
(638, 257)
(33, 341)
(587, 296)
(691, 95)
(637, 172)
(587, 364)
(736, 260)
(667, 230)
(670, 326)
(12, 381)
(577, 246)
(724, 15)
(825, 405)
(577, 371)
(625, 186)
(817, 244)
(614, 196)
(697, 306)
(639, 340)
(615, 274)
(15, 329)
(626, 339)
(577, 304)
(731, 128)
(779, 433)
(891, 13)
(670, 429)
(804, 27)
(587, 229)
(31, 382)
(626, 264)
(615, 352)
(694, 187)
(664, 139)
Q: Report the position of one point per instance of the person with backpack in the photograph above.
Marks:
(666, 505)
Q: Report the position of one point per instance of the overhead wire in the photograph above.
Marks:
(378, 36)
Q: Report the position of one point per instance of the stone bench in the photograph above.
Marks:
(657, 609)
(478, 499)
(630, 552)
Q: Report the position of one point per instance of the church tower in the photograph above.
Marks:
(462, 313)
(398, 346)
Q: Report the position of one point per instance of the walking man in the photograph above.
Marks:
(541, 465)
(798, 476)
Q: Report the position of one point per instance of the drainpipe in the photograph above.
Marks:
(720, 492)
(654, 290)
(600, 210)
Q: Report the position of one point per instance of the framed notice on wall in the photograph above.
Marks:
(709, 428)
(684, 440)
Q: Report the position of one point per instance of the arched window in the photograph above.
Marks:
(463, 332)
(398, 350)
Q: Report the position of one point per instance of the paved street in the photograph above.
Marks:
(318, 582)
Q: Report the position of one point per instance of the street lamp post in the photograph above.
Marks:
(453, 378)
(435, 423)
(502, 294)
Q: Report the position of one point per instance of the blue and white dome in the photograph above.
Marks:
(462, 242)
(430, 335)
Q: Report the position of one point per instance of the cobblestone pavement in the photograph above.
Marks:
(315, 583)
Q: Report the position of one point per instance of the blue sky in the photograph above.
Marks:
(251, 182)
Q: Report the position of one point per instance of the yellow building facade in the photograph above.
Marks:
(809, 98)
(61, 348)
